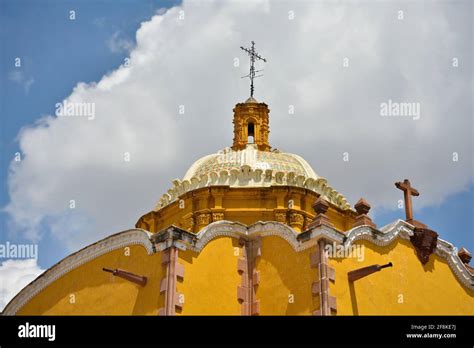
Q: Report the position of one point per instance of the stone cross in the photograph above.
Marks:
(408, 191)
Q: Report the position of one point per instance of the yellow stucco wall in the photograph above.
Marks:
(286, 278)
(408, 288)
(211, 279)
(96, 292)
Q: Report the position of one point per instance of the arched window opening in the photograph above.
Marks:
(251, 133)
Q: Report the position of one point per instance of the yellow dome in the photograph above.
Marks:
(251, 167)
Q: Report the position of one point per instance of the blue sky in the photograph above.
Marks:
(57, 53)
(453, 219)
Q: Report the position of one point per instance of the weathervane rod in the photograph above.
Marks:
(253, 56)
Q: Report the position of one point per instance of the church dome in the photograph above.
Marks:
(252, 167)
(266, 161)
(251, 162)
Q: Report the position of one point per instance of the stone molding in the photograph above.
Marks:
(249, 177)
(302, 241)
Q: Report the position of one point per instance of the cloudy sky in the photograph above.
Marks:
(335, 64)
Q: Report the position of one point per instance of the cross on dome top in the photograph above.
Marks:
(253, 56)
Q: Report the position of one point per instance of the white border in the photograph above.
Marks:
(381, 237)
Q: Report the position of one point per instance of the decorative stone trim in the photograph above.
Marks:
(387, 234)
(181, 239)
(217, 216)
(302, 241)
(203, 219)
(449, 252)
(310, 237)
(242, 289)
(382, 237)
(307, 222)
(217, 229)
(249, 177)
(465, 255)
(246, 292)
(188, 222)
(280, 216)
(424, 240)
(238, 230)
(173, 236)
(320, 288)
(174, 270)
(296, 220)
(363, 208)
(320, 207)
(73, 261)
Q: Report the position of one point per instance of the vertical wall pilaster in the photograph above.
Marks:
(246, 266)
(320, 288)
(174, 270)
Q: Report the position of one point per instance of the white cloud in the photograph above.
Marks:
(117, 43)
(14, 276)
(190, 62)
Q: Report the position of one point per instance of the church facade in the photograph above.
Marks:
(251, 230)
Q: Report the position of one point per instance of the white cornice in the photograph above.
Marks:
(248, 177)
(381, 237)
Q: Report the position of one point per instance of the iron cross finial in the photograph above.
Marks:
(253, 55)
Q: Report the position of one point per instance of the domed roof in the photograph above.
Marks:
(229, 159)
(251, 167)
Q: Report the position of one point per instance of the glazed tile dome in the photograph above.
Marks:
(251, 167)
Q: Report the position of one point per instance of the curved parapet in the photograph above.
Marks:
(73, 261)
(301, 241)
